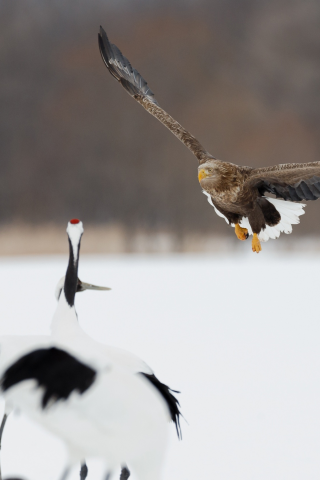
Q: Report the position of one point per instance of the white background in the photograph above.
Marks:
(237, 335)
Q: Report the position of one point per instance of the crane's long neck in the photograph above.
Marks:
(71, 280)
(65, 321)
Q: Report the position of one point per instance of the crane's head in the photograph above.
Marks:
(70, 282)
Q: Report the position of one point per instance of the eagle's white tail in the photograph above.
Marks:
(289, 212)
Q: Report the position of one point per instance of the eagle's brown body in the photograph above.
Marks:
(236, 192)
(227, 186)
(231, 193)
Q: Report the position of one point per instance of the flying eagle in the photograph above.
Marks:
(236, 193)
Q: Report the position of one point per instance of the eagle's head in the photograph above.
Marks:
(209, 169)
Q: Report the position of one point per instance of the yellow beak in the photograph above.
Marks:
(202, 174)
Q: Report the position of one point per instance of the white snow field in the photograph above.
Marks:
(239, 335)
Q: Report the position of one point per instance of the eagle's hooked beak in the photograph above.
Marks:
(202, 174)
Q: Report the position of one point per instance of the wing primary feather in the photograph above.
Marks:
(308, 195)
(292, 181)
(121, 69)
(293, 194)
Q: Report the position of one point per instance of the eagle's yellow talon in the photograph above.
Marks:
(256, 245)
(242, 233)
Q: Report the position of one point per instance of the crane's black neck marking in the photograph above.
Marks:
(71, 280)
(56, 371)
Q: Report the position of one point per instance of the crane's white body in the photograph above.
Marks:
(121, 417)
(66, 332)
(65, 329)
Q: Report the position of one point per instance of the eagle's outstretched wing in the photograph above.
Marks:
(291, 181)
(120, 68)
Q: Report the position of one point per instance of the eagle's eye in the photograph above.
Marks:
(210, 170)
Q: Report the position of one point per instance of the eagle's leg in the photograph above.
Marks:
(256, 245)
(242, 233)
(257, 223)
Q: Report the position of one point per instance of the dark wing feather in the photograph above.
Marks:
(121, 69)
(171, 401)
(56, 371)
(291, 181)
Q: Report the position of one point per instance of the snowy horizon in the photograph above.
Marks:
(238, 335)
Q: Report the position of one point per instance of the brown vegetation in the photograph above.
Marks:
(243, 76)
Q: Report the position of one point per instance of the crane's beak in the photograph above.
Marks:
(82, 286)
(202, 174)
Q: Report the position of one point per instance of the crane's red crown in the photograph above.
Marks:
(74, 221)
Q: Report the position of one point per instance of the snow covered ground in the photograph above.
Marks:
(238, 335)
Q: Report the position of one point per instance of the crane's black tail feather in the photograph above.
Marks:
(171, 401)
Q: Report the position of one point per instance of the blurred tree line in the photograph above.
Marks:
(243, 76)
